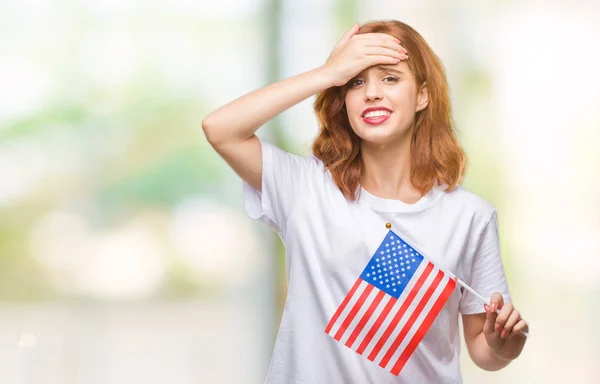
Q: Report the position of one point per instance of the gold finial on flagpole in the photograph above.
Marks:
(388, 225)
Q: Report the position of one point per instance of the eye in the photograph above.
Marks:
(391, 79)
(354, 83)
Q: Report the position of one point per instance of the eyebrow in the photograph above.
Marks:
(382, 68)
(388, 68)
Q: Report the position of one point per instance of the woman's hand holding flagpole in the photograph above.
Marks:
(485, 302)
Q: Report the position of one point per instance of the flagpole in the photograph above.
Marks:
(462, 283)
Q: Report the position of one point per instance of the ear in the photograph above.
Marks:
(422, 98)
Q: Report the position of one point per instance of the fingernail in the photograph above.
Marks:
(487, 307)
(493, 307)
(497, 327)
(504, 332)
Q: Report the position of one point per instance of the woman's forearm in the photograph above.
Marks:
(239, 119)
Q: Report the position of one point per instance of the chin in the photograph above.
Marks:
(376, 133)
(376, 139)
(383, 138)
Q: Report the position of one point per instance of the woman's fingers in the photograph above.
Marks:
(378, 60)
(355, 52)
(502, 321)
(513, 319)
(380, 51)
(503, 316)
(386, 43)
(348, 35)
(378, 38)
(490, 319)
(496, 301)
(520, 326)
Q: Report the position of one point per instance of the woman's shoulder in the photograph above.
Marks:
(302, 158)
(469, 201)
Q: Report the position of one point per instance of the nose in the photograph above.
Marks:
(372, 91)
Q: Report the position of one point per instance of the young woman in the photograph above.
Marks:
(386, 156)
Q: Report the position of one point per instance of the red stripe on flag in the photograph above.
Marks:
(365, 319)
(413, 317)
(342, 306)
(435, 310)
(359, 303)
(376, 325)
(409, 299)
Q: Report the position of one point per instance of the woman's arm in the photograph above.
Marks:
(230, 129)
(239, 119)
(494, 340)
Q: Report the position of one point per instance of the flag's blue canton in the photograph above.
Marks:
(392, 266)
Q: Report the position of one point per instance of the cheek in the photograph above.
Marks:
(349, 105)
(404, 94)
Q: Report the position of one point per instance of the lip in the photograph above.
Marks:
(378, 119)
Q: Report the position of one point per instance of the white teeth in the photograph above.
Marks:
(376, 113)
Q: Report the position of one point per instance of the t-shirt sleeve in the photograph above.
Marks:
(487, 271)
(284, 177)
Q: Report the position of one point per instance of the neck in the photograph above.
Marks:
(386, 170)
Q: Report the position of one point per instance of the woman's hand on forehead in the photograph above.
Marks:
(355, 52)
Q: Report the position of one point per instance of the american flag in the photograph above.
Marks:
(391, 305)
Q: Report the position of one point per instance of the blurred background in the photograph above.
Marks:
(125, 253)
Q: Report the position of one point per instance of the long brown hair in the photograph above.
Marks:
(436, 155)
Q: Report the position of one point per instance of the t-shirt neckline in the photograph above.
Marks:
(393, 205)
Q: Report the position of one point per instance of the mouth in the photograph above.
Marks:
(376, 116)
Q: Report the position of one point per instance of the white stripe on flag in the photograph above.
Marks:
(415, 326)
(371, 320)
(399, 324)
(360, 313)
(378, 310)
(359, 291)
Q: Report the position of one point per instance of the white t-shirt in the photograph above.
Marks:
(329, 240)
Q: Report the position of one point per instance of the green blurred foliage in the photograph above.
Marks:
(148, 154)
